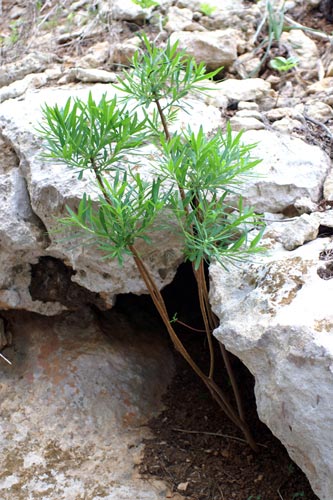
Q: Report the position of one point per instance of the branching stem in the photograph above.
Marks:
(210, 323)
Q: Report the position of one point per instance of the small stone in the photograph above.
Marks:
(126, 10)
(251, 89)
(246, 123)
(96, 55)
(319, 110)
(246, 65)
(324, 85)
(273, 80)
(214, 48)
(248, 113)
(247, 105)
(286, 125)
(180, 20)
(183, 486)
(90, 75)
(282, 112)
(123, 52)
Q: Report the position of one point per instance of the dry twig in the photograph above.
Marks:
(218, 434)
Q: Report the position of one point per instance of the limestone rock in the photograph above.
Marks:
(294, 233)
(304, 49)
(214, 48)
(181, 20)
(19, 87)
(50, 187)
(90, 75)
(251, 89)
(277, 318)
(319, 111)
(31, 63)
(290, 169)
(247, 65)
(73, 407)
(23, 237)
(238, 122)
(283, 112)
(248, 106)
(122, 52)
(96, 55)
(286, 125)
(328, 187)
(249, 113)
(126, 10)
(323, 90)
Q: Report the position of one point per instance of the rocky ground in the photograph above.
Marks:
(73, 45)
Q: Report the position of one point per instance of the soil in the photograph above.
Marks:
(194, 446)
(197, 449)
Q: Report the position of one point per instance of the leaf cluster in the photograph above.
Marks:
(196, 176)
(282, 64)
(125, 212)
(163, 76)
(91, 135)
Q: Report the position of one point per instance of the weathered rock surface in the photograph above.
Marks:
(304, 50)
(47, 187)
(277, 318)
(214, 48)
(250, 89)
(181, 20)
(290, 169)
(73, 408)
(31, 63)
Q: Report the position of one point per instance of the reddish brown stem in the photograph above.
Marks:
(159, 303)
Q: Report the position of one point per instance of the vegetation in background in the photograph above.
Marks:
(282, 64)
(145, 4)
(207, 9)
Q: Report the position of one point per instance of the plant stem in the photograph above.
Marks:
(168, 137)
(215, 391)
(201, 282)
(163, 119)
(210, 323)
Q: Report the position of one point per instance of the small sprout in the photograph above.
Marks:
(282, 64)
(298, 494)
(145, 4)
(207, 9)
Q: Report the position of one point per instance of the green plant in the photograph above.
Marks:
(189, 189)
(273, 21)
(282, 64)
(145, 4)
(252, 497)
(298, 494)
(14, 33)
(207, 9)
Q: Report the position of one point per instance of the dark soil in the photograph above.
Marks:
(194, 446)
